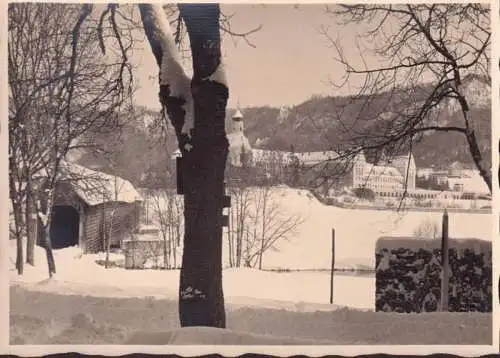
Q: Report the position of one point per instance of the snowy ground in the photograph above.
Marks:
(86, 303)
(118, 306)
(45, 318)
(356, 231)
(302, 291)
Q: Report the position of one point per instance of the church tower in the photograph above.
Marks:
(237, 122)
(238, 143)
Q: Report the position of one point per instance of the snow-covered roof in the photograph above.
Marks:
(384, 170)
(360, 158)
(114, 188)
(311, 158)
(238, 115)
(424, 170)
(261, 155)
(401, 161)
(95, 187)
(471, 182)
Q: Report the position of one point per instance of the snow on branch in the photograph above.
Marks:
(219, 75)
(172, 72)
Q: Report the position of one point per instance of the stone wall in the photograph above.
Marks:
(408, 275)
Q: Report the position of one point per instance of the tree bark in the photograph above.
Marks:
(31, 225)
(49, 200)
(16, 206)
(230, 237)
(201, 299)
(263, 233)
(204, 151)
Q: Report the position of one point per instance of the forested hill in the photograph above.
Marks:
(315, 125)
(139, 152)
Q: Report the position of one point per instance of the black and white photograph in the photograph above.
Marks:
(251, 174)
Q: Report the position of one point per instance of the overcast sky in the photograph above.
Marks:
(290, 63)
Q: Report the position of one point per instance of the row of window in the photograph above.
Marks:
(423, 196)
(384, 186)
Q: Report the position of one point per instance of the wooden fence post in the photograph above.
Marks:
(333, 266)
(444, 263)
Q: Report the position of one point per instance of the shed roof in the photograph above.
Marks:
(95, 187)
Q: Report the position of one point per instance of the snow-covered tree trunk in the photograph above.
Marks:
(230, 237)
(201, 295)
(30, 224)
(197, 110)
(45, 217)
(265, 197)
(16, 207)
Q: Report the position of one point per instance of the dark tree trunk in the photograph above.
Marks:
(19, 238)
(47, 205)
(201, 299)
(48, 251)
(16, 207)
(31, 226)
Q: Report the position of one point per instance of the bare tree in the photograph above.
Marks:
(196, 107)
(239, 222)
(425, 57)
(60, 90)
(167, 212)
(109, 220)
(271, 225)
(427, 229)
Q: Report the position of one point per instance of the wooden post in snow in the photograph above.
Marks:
(444, 263)
(333, 266)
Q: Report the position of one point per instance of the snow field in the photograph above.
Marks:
(356, 232)
(298, 291)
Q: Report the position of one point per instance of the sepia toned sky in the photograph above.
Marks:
(291, 60)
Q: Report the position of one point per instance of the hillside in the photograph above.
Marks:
(141, 153)
(318, 123)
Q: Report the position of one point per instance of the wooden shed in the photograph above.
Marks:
(89, 206)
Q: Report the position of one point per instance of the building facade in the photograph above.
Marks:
(239, 146)
(391, 175)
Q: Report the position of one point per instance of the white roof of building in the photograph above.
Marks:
(238, 114)
(472, 183)
(95, 187)
(264, 154)
(311, 158)
(384, 170)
